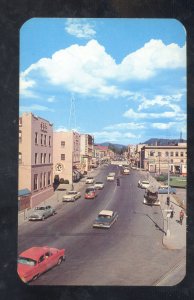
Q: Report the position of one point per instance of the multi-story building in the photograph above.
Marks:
(66, 156)
(86, 146)
(160, 159)
(35, 157)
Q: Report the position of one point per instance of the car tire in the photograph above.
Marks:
(43, 218)
(59, 261)
(53, 213)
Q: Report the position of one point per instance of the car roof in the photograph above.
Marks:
(145, 181)
(34, 252)
(106, 212)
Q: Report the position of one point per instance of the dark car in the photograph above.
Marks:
(105, 219)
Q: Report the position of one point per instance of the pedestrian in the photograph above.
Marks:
(172, 211)
(181, 216)
(168, 201)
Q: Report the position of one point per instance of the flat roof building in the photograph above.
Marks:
(35, 157)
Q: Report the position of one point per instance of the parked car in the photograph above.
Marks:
(163, 189)
(105, 219)
(99, 185)
(71, 196)
(90, 193)
(42, 212)
(144, 184)
(37, 260)
(90, 180)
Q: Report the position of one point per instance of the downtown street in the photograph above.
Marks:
(130, 253)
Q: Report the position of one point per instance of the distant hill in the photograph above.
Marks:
(118, 146)
(163, 142)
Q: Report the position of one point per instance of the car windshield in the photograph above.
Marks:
(145, 182)
(99, 182)
(40, 208)
(104, 216)
(89, 190)
(72, 193)
(26, 261)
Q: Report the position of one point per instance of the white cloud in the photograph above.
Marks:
(163, 126)
(51, 99)
(144, 115)
(164, 101)
(113, 136)
(90, 70)
(80, 28)
(143, 63)
(26, 85)
(35, 107)
(125, 126)
(61, 128)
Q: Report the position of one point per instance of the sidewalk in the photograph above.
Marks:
(175, 237)
(175, 233)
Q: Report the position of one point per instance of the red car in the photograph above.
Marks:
(37, 260)
(90, 193)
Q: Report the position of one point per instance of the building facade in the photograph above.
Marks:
(160, 159)
(86, 147)
(66, 156)
(35, 157)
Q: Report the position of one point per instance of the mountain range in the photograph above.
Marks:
(150, 142)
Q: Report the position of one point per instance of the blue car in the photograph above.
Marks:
(164, 190)
(105, 219)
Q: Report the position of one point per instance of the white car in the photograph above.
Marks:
(144, 184)
(71, 196)
(99, 185)
(90, 180)
(110, 178)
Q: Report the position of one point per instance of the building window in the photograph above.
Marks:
(41, 176)
(159, 154)
(44, 179)
(171, 153)
(171, 161)
(182, 154)
(151, 153)
(36, 158)
(36, 138)
(20, 136)
(44, 158)
(49, 178)
(62, 156)
(62, 144)
(45, 139)
(182, 160)
(49, 158)
(166, 154)
(35, 182)
(49, 141)
(41, 158)
(177, 154)
(41, 139)
(20, 157)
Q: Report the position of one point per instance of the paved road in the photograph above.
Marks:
(129, 253)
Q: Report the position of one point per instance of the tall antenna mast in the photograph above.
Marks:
(72, 115)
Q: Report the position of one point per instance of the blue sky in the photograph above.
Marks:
(125, 78)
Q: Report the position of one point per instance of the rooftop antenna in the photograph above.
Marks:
(72, 115)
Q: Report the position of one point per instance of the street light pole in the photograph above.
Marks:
(168, 175)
